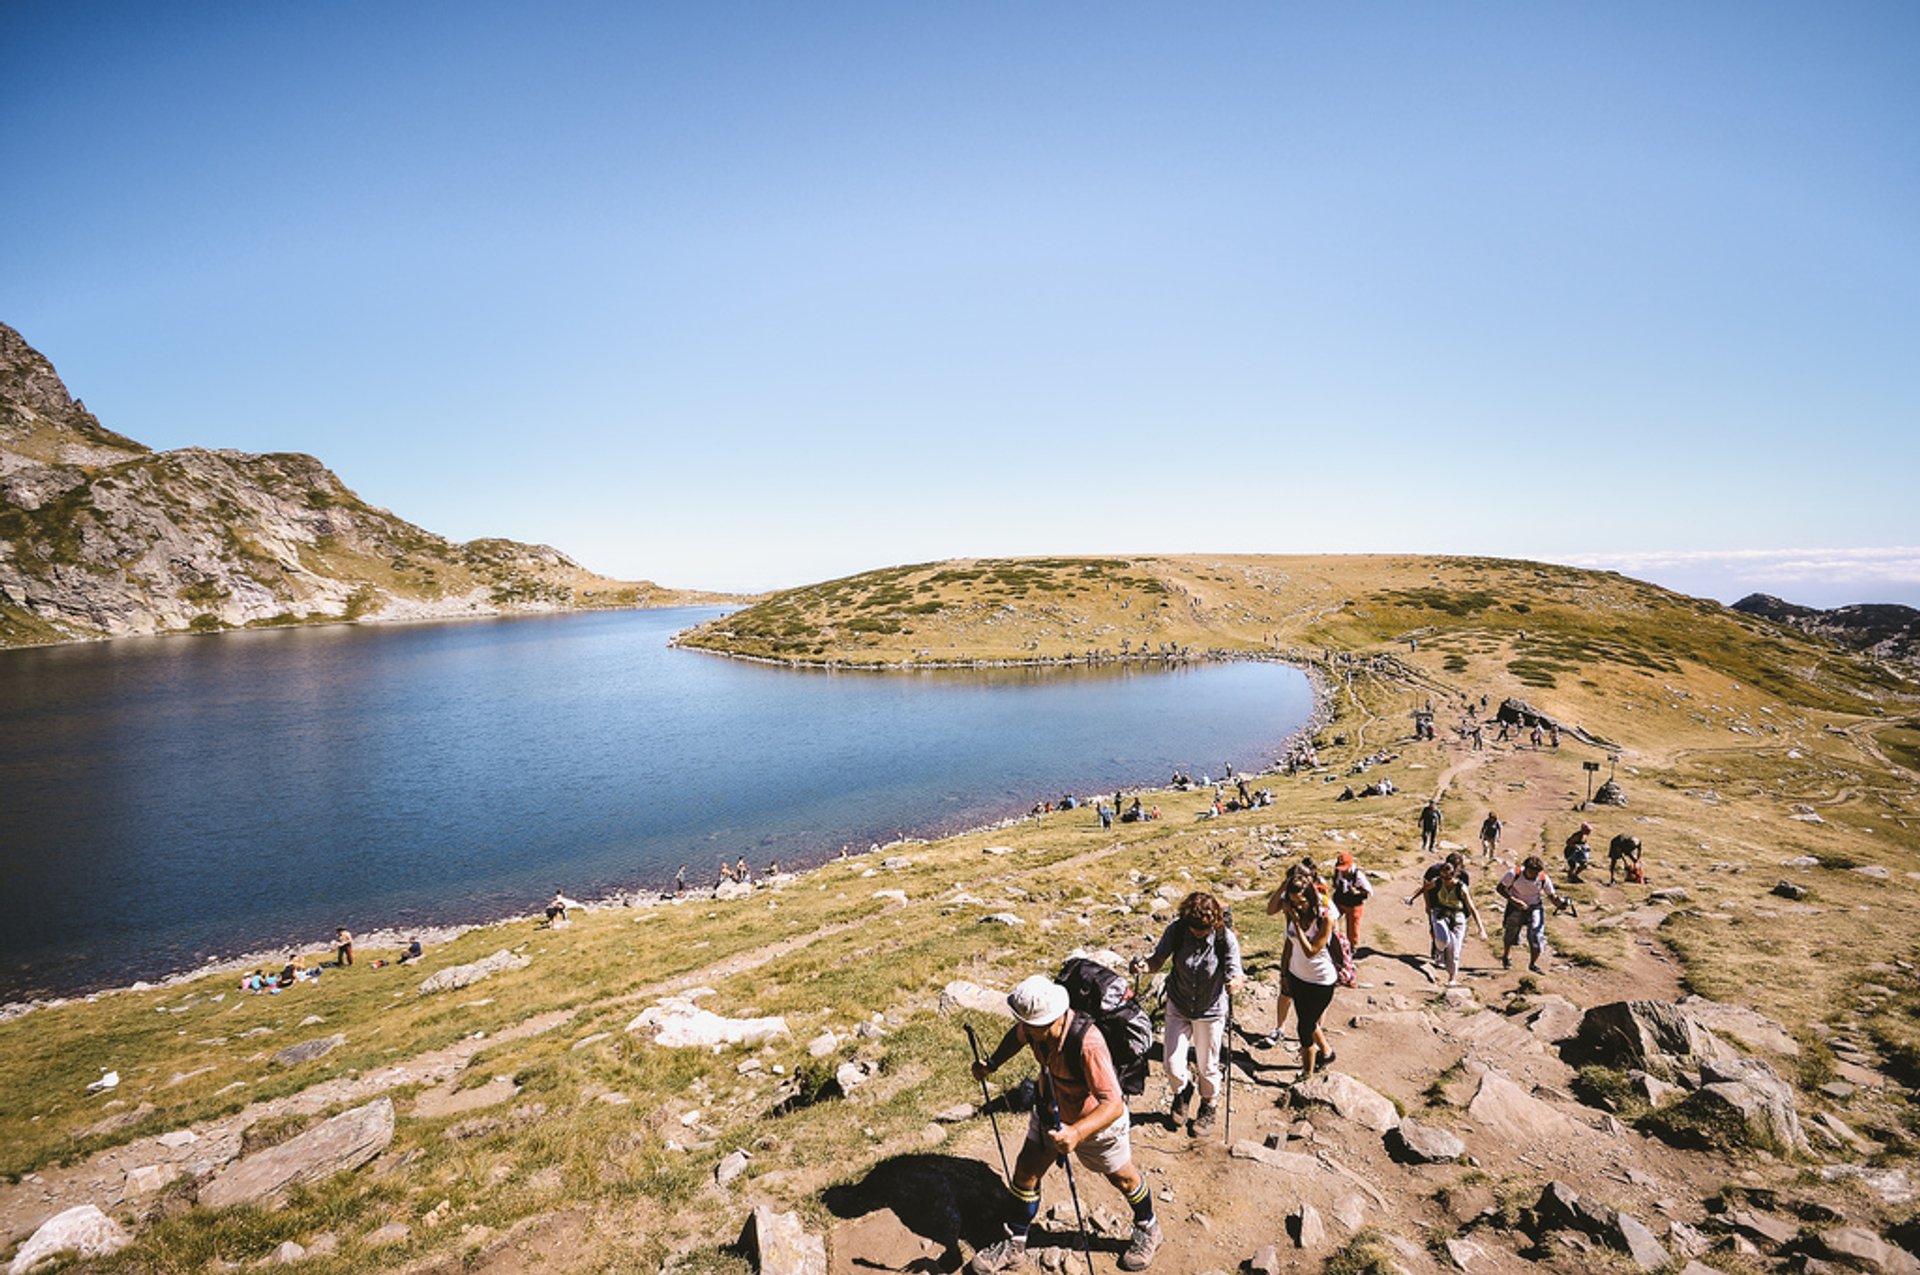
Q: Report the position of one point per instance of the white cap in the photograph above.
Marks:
(1037, 1001)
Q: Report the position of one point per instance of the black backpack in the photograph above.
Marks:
(1101, 997)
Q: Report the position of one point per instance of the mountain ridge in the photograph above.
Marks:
(1882, 630)
(101, 536)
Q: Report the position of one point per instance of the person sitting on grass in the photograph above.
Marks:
(1077, 1078)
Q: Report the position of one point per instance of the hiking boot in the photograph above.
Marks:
(1203, 1119)
(1140, 1250)
(1009, 1254)
(1181, 1101)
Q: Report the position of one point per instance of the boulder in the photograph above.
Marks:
(1751, 1092)
(308, 1050)
(1632, 1235)
(1610, 794)
(677, 1023)
(82, 1230)
(1775, 1232)
(778, 1244)
(961, 994)
(1309, 1232)
(1425, 1143)
(1265, 1261)
(1553, 1018)
(731, 1166)
(1350, 1099)
(1649, 1035)
(1506, 1107)
(1001, 918)
(341, 1144)
(1744, 1026)
(1790, 890)
(148, 1178)
(1857, 1246)
(822, 1045)
(458, 976)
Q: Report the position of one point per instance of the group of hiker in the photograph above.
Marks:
(297, 970)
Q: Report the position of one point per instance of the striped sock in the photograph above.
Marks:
(1141, 1199)
(1026, 1207)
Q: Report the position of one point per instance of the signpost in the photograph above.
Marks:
(1592, 768)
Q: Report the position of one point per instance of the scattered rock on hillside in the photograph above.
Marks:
(1745, 1026)
(1553, 1019)
(1632, 1235)
(1504, 1105)
(308, 1050)
(1350, 1099)
(731, 1166)
(677, 1023)
(1789, 890)
(1752, 1093)
(1650, 1035)
(779, 1245)
(1287, 1161)
(1308, 1231)
(148, 1178)
(1425, 1143)
(458, 976)
(961, 994)
(1001, 918)
(83, 1230)
(343, 1143)
(1857, 1246)
(1610, 794)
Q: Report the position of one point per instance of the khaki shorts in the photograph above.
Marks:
(1106, 1152)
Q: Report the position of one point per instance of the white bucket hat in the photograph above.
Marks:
(1037, 1001)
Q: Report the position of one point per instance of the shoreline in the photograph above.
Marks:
(1320, 715)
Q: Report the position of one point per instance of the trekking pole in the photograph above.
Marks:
(1073, 1190)
(987, 1102)
(1227, 1133)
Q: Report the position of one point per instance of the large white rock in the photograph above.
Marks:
(960, 994)
(780, 1245)
(1501, 1104)
(1350, 1099)
(83, 1229)
(677, 1023)
(463, 975)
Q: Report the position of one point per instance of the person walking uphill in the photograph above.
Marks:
(1206, 970)
(1310, 972)
(1449, 895)
(1077, 1077)
(1527, 889)
(1430, 825)
(1351, 890)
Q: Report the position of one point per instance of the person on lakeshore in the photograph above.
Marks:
(1527, 889)
(1206, 971)
(1077, 1076)
(1106, 816)
(1351, 890)
(1623, 856)
(1430, 825)
(1448, 891)
(773, 868)
(680, 881)
(413, 953)
(741, 872)
(1309, 966)
(290, 973)
(557, 907)
(1578, 853)
(1490, 829)
(343, 946)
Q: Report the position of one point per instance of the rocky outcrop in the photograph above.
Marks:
(1885, 631)
(1648, 1035)
(1350, 1099)
(83, 1231)
(458, 976)
(677, 1023)
(102, 537)
(1517, 712)
(341, 1144)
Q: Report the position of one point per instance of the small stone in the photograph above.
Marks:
(1426, 1144)
(956, 1113)
(1632, 1234)
(391, 1233)
(731, 1167)
(150, 1177)
(1310, 1233)
(308, 1050)
(323, 1244)
(1001, 918)
(1265, 1260)
(288, 1253)
(822, 1045)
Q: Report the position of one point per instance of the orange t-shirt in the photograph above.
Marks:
(1078, 1094)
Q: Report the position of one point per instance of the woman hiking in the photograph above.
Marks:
(1206, 970)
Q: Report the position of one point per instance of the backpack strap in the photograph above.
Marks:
(1075, 1045)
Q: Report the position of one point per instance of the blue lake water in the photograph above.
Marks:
(167, 800)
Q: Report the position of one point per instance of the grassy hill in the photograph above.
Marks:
(535, 1130)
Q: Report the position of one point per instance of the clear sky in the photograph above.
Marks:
(742, 296)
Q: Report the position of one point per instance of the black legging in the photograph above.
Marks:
(1310, 1001)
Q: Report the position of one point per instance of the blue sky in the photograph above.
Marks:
(742, 296)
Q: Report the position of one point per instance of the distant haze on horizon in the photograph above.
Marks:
(741, 297)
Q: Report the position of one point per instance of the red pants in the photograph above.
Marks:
(1353, 925)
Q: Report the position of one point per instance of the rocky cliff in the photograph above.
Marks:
(101, 536)
(1885, 631)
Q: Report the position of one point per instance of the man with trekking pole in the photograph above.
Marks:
(1082, 1114)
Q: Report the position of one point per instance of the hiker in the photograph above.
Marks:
(1310, 972)
(1623, 856)
(680, 877)
(1106, 816)
(1578, 852)
(1430, 825)
(1351, 890)
(1077, 1076)
(1449, 895)
(343, 946)
(1490, 829)
(1206, 970)
(413, 953)
(1527, 889)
